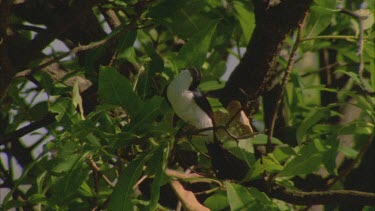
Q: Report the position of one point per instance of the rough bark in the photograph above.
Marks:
(274, 21)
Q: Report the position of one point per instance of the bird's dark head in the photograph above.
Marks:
(196, 76)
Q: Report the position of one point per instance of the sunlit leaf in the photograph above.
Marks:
(283, 153)
(369, 21)
(246, 18)
(145, 115)
(239, 197)
(193, 53)
(69, 183)
(311, 119)
(77, 99)
(160, 160)
(307, 161)
(115, 89)
(318, 20)
(125, 46)
(38, 111)
(266, 163)
(242, 198)
(121, 198)
(65, 110)
(217, 201)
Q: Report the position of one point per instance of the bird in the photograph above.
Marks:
(189, 103)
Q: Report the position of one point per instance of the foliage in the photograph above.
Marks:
(113, 153)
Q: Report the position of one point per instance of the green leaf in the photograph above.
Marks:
(211, 85)
(92, 139)
(372, 67)
(349, 152)
(161, 158)
(329, 156)
(266, 163)
(77, 99)
(318, 20)
(125, 46)
(262, 198)
(308, 160)
(352, 75)
(115, 89)
(69, 183)
(262, 139)
(246, 18)
(37, 199)
(283, 153)
(38, 111)
(121, 198)
(369, 48)
(145, 116)
(240, 152)
(183, 18)
(45, 81)
(369, 21)
(193, 53)
(358, 127)
(329, 4)
(218, 201)
(6, 200)
(65, 162)
(311, 119)
(146, 82)
(239, 197)
(65, 110)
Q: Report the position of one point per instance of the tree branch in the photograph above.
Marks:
(285, 80)
(56, 28)
(360, 19)
(187, 198)
(322, 197)
(75, 50)
(349, 169)
(7, 67)
(273, 23)
(15, 135)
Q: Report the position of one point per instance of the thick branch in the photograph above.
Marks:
(7, 68)
(323, 197)
(75, 50)
(55, 28)
(273, 23)
(15, 135)
(292, 59)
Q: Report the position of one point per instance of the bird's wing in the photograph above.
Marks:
(202, 101)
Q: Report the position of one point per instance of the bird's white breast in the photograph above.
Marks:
(183, 104)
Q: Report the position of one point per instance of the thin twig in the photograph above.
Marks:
(360, 18)
(15, 135)
(233, 117)
(143, 178)
(95, 168)
(77, 49)
(181, 175)
(321, 197)
(207, 191)
(345, 37)
(329, 66)
(347, 170)
(284, 82)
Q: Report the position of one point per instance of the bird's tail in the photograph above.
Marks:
(226, 164)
